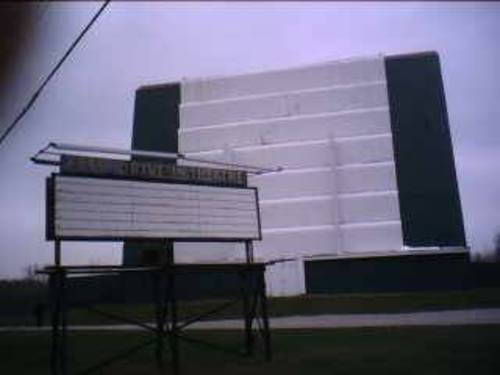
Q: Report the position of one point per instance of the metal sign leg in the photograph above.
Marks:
(159, 301)
(58, 353)
(64, 322)
(249, 251)
(54, 309)
(263, 304)
(247, 314)
(173, 334)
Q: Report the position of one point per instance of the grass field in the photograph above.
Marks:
(17, 304)
(410, 350)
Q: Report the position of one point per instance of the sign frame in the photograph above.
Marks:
(51, 203)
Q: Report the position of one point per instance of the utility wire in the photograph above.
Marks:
(37, 93)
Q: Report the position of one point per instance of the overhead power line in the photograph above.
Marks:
(37, 93)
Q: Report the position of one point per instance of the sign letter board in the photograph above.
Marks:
(151, 171)
(128, 204)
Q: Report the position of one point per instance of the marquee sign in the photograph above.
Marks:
(168, 172)
(90, 208)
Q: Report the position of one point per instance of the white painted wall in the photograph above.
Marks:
(328, 126)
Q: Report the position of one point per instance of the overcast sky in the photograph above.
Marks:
(91, 99)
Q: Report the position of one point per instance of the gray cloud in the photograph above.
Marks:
(90, 101)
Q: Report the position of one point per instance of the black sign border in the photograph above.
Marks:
(50, 213)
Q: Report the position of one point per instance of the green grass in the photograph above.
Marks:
(328, 304)
(408, 350)
(17, 311)
(386, 302)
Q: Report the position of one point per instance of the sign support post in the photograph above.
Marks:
(175, 203)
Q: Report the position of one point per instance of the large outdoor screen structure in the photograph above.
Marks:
(365, 147)
(90, 208)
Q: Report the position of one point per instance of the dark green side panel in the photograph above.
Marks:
(395, 274)
(429, 201)
(156, 118)
(156, 122)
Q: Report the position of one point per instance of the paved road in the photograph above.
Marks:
(438, 318)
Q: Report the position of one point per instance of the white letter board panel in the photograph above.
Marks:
(98, 208)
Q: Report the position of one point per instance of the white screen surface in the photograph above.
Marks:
(97, 208)
(329, 127)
